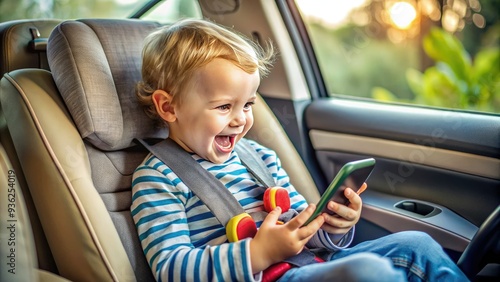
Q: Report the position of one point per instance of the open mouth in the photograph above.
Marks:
(225, 143)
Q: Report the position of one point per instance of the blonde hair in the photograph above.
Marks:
(171, 54)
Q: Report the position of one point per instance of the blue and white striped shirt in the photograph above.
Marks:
(182, 239)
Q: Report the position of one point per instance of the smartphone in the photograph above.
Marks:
(352, 175)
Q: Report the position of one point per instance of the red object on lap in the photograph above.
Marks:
(275, 271)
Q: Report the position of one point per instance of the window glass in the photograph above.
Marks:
(436, 53)
(68, 9)
(172, 10)
(165, 11)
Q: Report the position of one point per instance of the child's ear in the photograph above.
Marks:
(164, 106)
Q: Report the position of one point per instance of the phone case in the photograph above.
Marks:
(335, 191)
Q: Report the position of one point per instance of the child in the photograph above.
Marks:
(201, 80)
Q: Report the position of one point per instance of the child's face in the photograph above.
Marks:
(216, 110)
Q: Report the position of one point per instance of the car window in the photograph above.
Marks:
(171, 10)
(68, 9)
(428, 52)
(164, 11)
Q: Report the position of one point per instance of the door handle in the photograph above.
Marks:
(418, 208)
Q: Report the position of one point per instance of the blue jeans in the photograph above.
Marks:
(403, 256)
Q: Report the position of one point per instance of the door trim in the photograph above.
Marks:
(425, 154)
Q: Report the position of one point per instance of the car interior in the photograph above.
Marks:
(69, 117)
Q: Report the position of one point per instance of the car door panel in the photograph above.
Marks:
(431, 165)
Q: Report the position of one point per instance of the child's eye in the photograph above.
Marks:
(224, 107)
(249, 105)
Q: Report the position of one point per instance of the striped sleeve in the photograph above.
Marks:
(323, 239)
(160, 202)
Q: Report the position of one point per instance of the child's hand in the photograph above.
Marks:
(275, 242)
(347, 217)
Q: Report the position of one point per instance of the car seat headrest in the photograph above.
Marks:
(96, 64)
(22, 44)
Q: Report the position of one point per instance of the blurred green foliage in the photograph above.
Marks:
(417, 66)
(456, 81)
(353, 60)
(166, 11)
(64, 9)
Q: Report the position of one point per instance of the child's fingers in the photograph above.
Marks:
(272, 217)
(306, 232)
(345, 212)
(316, 224)
(303, 216)
(354, 198)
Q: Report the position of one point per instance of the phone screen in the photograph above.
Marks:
(354, 181)
(353, 175)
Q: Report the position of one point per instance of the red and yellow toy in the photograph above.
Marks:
(243, 226)
(276, 197)
(240, 227)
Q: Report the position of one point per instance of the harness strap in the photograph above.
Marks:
(218, 199)
(254, 163)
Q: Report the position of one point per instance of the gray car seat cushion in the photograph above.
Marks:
(98, 82)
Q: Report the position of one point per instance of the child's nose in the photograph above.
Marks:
(238, 119)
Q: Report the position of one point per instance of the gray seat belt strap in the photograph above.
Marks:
(211, 191)
(254, 163)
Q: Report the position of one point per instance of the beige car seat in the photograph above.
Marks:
(22, 45)
(73, 131)
(18, 256)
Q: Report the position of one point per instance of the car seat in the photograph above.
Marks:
(73, 131)
(18, 260)
(22, 45)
